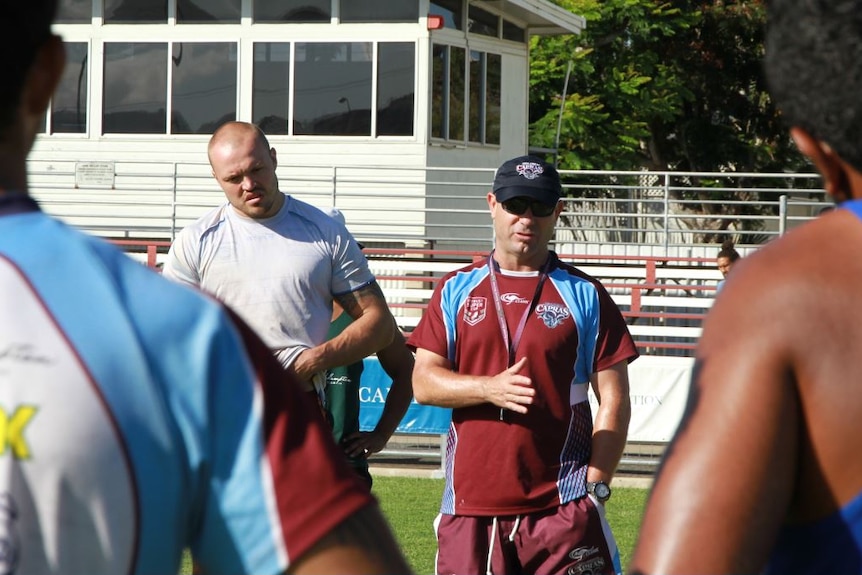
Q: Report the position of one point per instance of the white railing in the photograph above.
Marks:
(621, 213)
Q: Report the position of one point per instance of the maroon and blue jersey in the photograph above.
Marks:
(538, 460)
(139, 418)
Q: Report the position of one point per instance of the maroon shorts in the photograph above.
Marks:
(572, 539)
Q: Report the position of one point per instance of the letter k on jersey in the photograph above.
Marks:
(12, 431)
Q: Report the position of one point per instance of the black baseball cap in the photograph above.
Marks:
(528, 176)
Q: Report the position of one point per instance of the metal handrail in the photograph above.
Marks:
(636, 212)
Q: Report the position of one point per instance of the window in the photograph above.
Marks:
(136, 88)
(292, 10)
(202, 91)
(204, 86)
(208, 12)
(457, 84)
(514, 32)
(484, 126)
(136, 11)
(484, 23)
(69, 103)
(450, 90)
(493, 92)
(151, 11)
(477, 96)
(379, 11)
(447, 93)
(333, 88)
(396, 77)
(270, 86)
(74, 11)
(452, 12)
(439, 90)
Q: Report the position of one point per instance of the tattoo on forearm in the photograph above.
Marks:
(352, 302)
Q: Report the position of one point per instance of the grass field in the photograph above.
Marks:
(411, 504)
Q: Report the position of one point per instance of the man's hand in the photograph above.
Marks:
(509, 389)
(434, 383)
(363, 443)
(306, 365)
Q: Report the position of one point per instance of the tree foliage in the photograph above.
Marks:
(660, 85)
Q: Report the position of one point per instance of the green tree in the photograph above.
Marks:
(657, 85)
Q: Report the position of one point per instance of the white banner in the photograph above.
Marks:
(659, 389)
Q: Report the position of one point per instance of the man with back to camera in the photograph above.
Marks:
(764, 473)
(511, 344)
(280, 263)
(141, 418)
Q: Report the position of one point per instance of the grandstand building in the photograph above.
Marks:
(345, 89)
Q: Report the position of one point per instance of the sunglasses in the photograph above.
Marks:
(518, 207)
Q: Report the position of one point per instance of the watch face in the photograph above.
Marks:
(602, 491)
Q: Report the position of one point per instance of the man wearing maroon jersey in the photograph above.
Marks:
(511, 344)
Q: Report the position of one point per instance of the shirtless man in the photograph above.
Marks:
(764, 472)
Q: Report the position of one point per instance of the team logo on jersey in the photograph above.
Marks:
(552, 314)
(475, 309)
(530, 170)
(510, 298)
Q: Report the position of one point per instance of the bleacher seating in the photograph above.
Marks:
(664, 300)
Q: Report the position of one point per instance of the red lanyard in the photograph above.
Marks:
(512, 344)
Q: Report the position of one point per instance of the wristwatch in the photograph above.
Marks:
(599, 489)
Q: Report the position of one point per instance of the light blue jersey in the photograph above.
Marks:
(134, 425)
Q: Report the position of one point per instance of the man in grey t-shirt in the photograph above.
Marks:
(280, 262)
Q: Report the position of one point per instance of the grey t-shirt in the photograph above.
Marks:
(279, 274)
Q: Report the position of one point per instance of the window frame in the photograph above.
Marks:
(48, 121)
(169, 102)
(444, 123)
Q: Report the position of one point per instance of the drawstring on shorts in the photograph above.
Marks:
(515, 528)
(491, 546)
(494, 539)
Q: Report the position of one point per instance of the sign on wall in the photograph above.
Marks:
(94, 174)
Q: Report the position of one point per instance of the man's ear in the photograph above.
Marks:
(836, 180)
(44, 75)
(492, 203)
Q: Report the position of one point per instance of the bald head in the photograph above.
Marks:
(244, 166)
(235, 134)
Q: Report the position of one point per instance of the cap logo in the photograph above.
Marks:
(530, 170)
